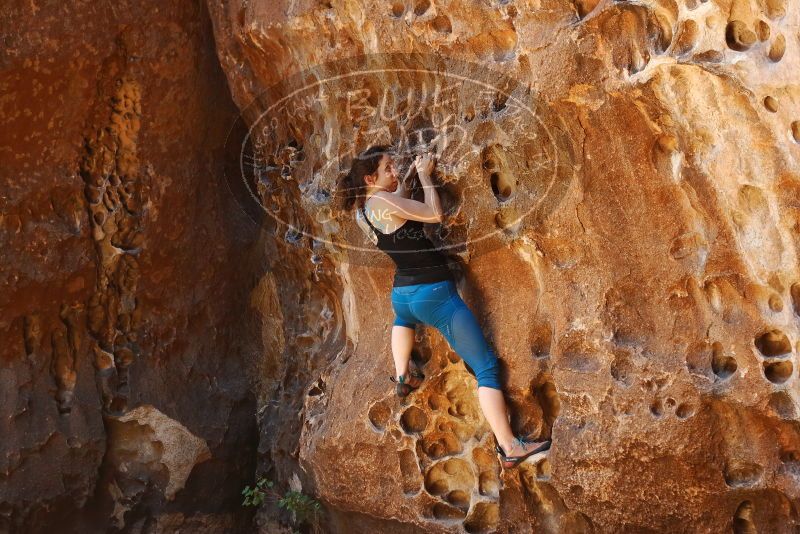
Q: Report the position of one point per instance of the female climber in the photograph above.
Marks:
(424, 290)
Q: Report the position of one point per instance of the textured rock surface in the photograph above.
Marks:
(155, 441)
(121, 275)
(644, 304)
(649, 324)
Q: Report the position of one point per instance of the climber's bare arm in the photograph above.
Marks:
(431, 195)
(399, 205)
(401, 190)
(392, 204)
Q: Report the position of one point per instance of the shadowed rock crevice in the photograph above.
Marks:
(126, 347)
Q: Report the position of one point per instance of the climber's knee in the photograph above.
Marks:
(489, 375)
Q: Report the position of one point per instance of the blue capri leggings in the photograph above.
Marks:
(438, 304)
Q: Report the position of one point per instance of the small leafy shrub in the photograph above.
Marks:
(256, 496)
(303, 508)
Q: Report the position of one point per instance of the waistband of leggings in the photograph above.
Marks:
(448, 281)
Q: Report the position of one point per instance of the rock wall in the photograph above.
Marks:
(620, 183)
(125, 403)
(647, 320)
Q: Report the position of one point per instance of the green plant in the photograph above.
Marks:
(255, 496)
(303, 508)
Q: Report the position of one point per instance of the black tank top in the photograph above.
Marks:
(416, 257)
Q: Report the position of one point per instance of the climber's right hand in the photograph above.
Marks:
(424, 165)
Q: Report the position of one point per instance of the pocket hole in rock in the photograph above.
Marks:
(398, 9)
(442, 24)
(421, 7)
(444, 426)
(660, 31)
(412, 478)
(379, 415)
(443, 512)
(540, 347)
(501, 186)
(413, 420)
(762, 30)
(722, 365)
(509, 220)
(622, 369)
(738, 36)
(778, 372)
(459, 499)
(448, 475)
(687, 38)
(743, 519)
(548, 399)
(775, 303)
(469, 114)
(488, 485)
(684, 410)
(489, 470)
(794, 292)
(777, 49)
(499, 102)
(771, 103)
(773, 343)
(742, 474)
(441, 446)
(502, 182)
(657, 408)
(483, 519)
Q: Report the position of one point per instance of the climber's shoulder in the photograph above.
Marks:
(383, 196)
(381, 200)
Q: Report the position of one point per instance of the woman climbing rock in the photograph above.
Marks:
(424, 290)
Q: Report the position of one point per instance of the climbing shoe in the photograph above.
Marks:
(509, 462)
(408, 382)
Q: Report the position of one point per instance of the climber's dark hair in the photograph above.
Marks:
(365, 163)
